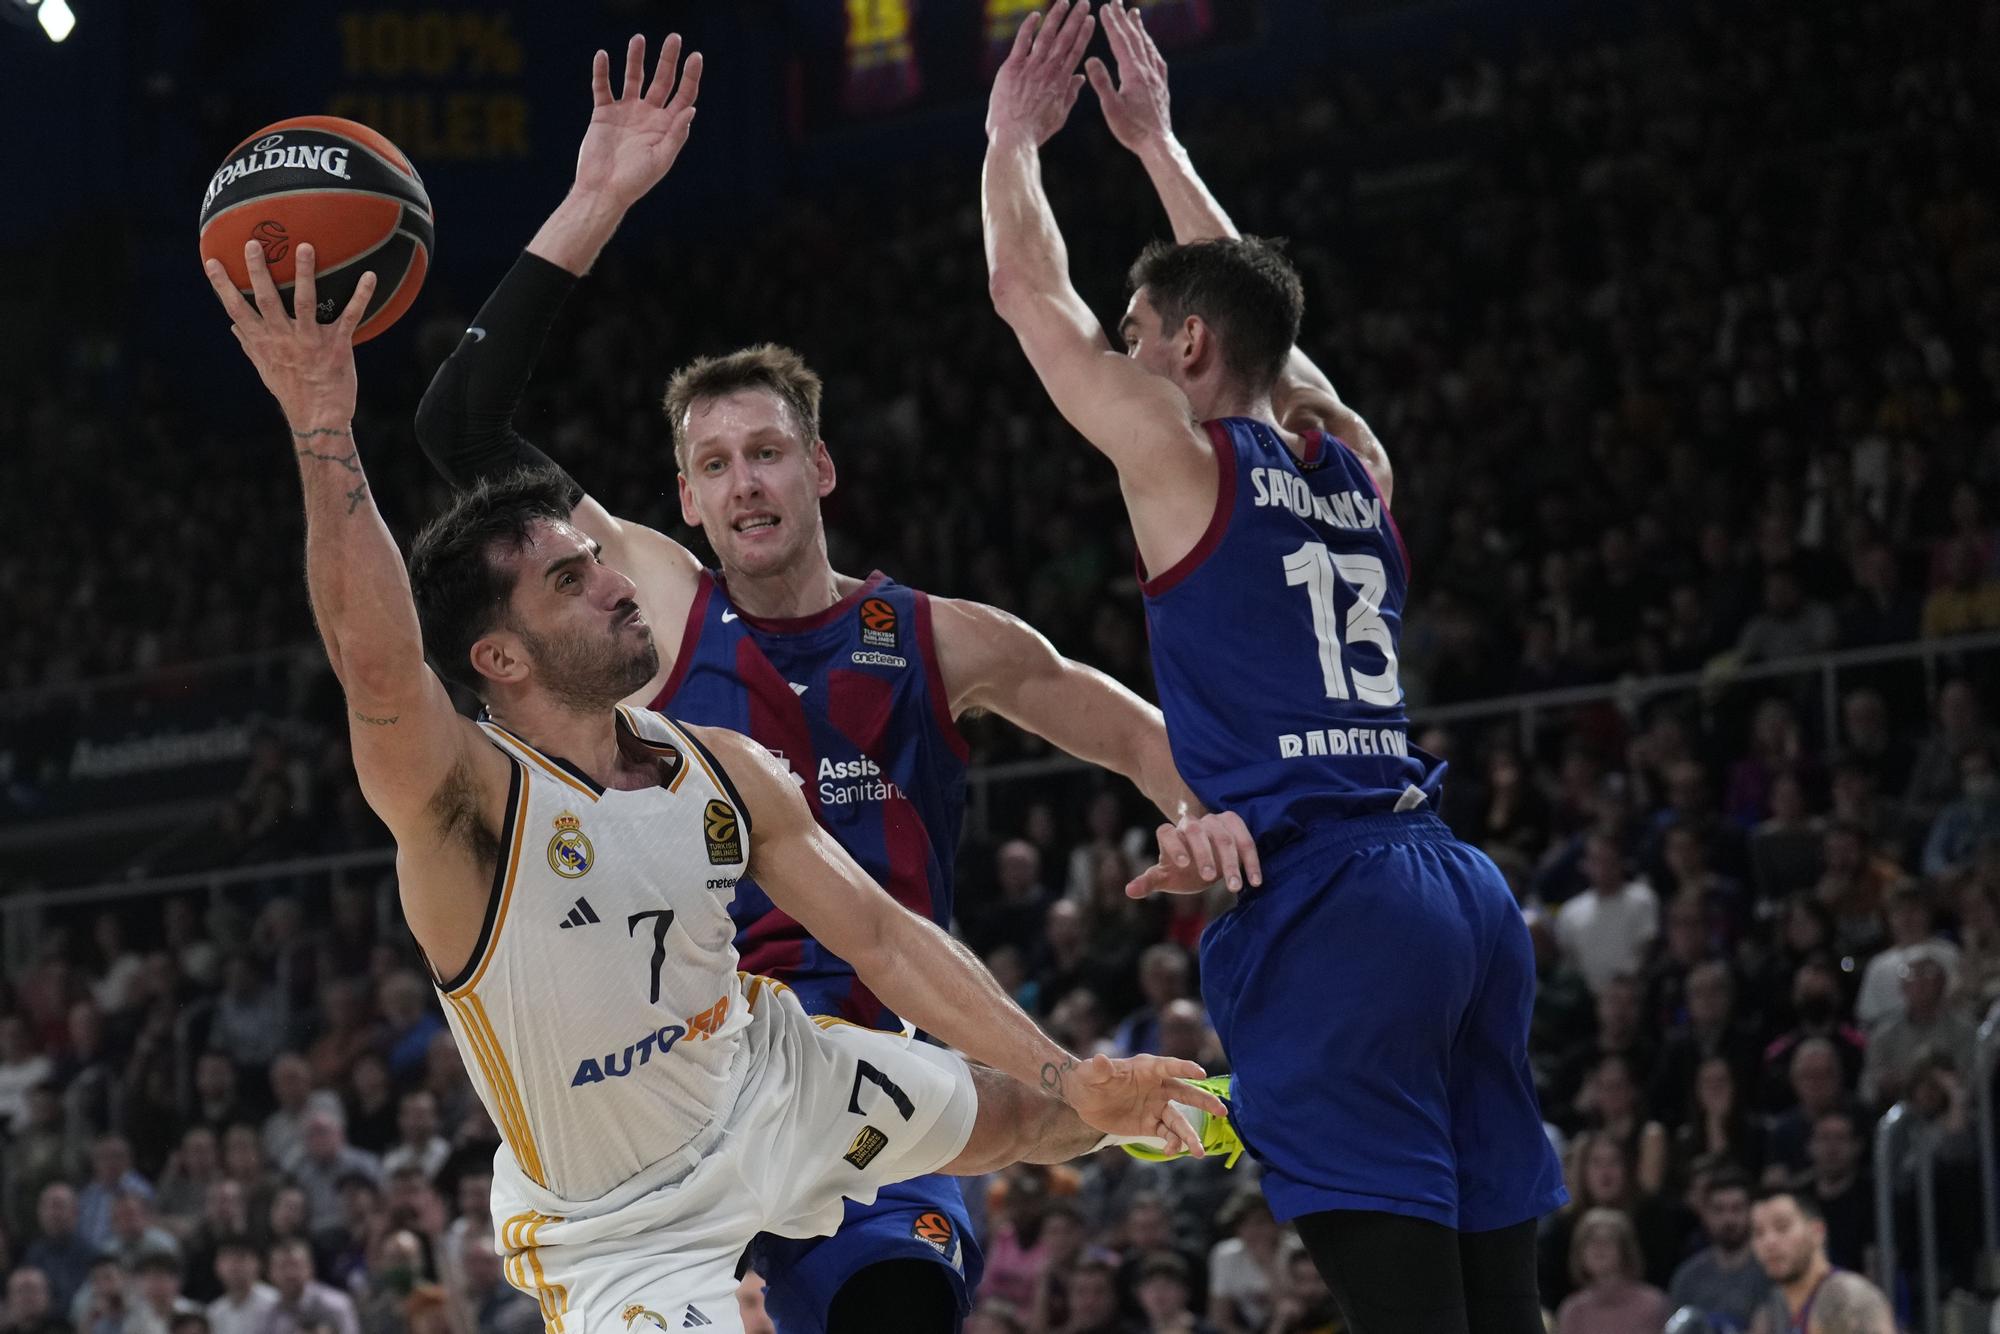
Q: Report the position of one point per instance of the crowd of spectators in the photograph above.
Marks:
(1686, 345)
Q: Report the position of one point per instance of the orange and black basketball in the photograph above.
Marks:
(338, 185)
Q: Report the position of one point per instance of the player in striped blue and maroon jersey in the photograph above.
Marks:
(1373, 994)
(857, 682)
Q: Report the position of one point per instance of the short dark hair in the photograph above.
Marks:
(1242, 287)
(461, 594)
(1730, 1177)
(1808, 1203)
(238, 1242)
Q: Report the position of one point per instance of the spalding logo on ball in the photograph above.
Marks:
(336, 185)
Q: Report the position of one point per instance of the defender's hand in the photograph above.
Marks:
(1038, 83)
(307, 366)
(634, 138)
(1134, 1096)
(1136, 109)
(1196, 851)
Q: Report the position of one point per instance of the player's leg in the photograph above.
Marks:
(1337, 990)
(1391, 1274)
(895, 1297)
(1508, 1175)
(1501, 1293)
(917, 1229)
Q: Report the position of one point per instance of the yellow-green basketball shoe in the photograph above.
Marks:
(1218, 1136)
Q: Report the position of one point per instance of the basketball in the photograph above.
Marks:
(337, 185)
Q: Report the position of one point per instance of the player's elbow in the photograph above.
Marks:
(1009, 294)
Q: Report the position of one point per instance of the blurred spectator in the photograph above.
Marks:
(1973, 820)
(1723, 1279)
(246, 1300)
(1165, 1295)
(158, 1296)
(1934, 776)
(419, 1144)
(1015, 916)
(193, 1168)
(1244, 1269)
(37, 1158)
(1164, 977)
(1911, 936)
(1610, 1103)
(1839, 1184)
(250, 1021)
(1306, 1305)
(59, 1249)
(21, 1068)
(31, 1304)
(1093, 1301)
(1600, 1176)
(1606, 928)
(1926, 1027)
(1818, 1087)
(496, 1306)
(1978, 984)
(305, 1305)
(325, 1161)
(1816, 1004)
(1722, 1128)
(410, 1016)
(1710, 1030)
(296, 1098)
(1604, 1265)
(134, 1235)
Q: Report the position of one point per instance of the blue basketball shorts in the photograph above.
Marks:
(920, 1219)
(1373, 997)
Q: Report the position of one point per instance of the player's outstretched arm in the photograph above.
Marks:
(923, 974)
(1140, 421)
(407, 738)
(466, 420)
(1138, 111)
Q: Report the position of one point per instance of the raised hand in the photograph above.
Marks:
(1198, 850)
(634, 138)
(1038, 83)
(1136, 109)
(1134, 1096)
(307, 366)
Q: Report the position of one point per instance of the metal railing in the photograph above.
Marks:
(1900, 1127)
(1985, 1057)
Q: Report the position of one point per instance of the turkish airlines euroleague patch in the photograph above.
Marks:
(935, 1229)
(868, 1141)
(878, 623)
(718, 826)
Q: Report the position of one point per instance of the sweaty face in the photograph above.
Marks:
(1784, 1239)
(577, 621)
(753, 480)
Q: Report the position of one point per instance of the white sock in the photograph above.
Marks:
(1195, 1116)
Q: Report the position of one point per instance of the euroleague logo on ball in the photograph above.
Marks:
(270, 234)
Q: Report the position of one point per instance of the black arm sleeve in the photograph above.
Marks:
(466, 420)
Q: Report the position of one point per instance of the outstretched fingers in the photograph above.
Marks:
(635, 68)
(269, 304)
(357, 306)
(305, 286)
(665, 69)
(690, 86)
(600, 79)
(233, 304)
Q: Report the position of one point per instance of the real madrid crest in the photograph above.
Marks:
(640, 1313)
(570, 855)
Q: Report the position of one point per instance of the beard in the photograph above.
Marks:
(585, 673)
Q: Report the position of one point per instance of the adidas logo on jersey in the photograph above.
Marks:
(695, 1319)
(581, 915)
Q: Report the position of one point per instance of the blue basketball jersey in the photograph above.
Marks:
(852, 701)
(1274, 642)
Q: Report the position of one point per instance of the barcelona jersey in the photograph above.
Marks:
(851, 700)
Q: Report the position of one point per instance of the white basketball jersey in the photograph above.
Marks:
(600, 1012)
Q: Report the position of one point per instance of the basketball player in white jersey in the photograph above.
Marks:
(567, 866)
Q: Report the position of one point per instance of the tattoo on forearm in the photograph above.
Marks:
(356, 496)
(351, 461)
(1052, 1077)
(318, 431)
(390, 721)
